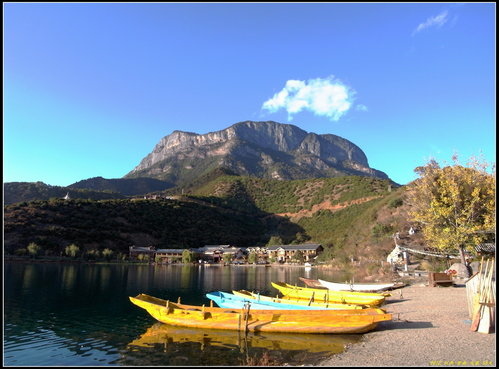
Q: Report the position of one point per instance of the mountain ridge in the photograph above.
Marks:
(264, 149)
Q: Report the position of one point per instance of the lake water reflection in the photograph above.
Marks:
(80, 314)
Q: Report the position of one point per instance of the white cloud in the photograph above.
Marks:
(436, 21)
(361, 107)
(326, 97)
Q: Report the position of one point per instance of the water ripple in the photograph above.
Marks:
(66, 315)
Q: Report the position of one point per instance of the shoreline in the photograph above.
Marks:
(430, 327)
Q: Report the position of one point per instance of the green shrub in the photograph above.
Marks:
(34, 249)
(252, 257)
(395, 203)
(381, 230)
(72, 250)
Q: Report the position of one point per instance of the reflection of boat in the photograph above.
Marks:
(316, 294)
(319, 305)
(314, 283)
(297, 321)
(165, 334)
(358, 287)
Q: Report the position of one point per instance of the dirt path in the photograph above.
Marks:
(430, 327)
(326, 205)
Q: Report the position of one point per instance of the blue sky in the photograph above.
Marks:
(90, 88)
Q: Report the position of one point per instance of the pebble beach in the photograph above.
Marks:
(430, 327)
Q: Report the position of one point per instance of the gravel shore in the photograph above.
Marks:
(430, 327)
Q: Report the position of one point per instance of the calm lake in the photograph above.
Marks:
(79, 314)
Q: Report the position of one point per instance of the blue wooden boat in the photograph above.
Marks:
(231, 301)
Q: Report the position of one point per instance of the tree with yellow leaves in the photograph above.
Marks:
(455, 205)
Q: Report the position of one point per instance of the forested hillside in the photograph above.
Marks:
(350, 216)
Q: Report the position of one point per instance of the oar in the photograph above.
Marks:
(473, 290)
(477, 307)
(476, 294)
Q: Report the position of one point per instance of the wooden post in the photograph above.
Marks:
(406, 260)
(485, 319)
(246, 318)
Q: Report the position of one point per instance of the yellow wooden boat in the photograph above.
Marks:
(290, 321)
(294, 301)
(316, 294)
(165, 334)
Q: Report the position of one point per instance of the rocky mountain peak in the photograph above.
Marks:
(263, 149)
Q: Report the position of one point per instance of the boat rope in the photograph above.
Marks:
(311, 298)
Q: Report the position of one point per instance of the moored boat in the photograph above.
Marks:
(291, 321)
(313, 283)
(357, 287)
(238, 300)
(229, 300)
(289, 301)
(325, 295)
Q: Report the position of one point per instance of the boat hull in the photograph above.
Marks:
(290, 321)
(358, 287)
(237, 301)
(295, 302)
(313, 283)
(325, 295)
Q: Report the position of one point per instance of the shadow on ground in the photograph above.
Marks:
(403, 324)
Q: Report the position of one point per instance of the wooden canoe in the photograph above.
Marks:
(290, 321)
(237, 301)
(313, 283)
(287, 300)
(316, 294)
(357, 287)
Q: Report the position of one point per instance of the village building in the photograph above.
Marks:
(259, 251)
(286, 253)
(236, 253)
(211, 253)
(218, 253)
(135, 251)
(169, 256)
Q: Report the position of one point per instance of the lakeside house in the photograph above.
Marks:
(286, 253)
(169, 255)
(211, 253)
(215, 253)
(135, 251)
